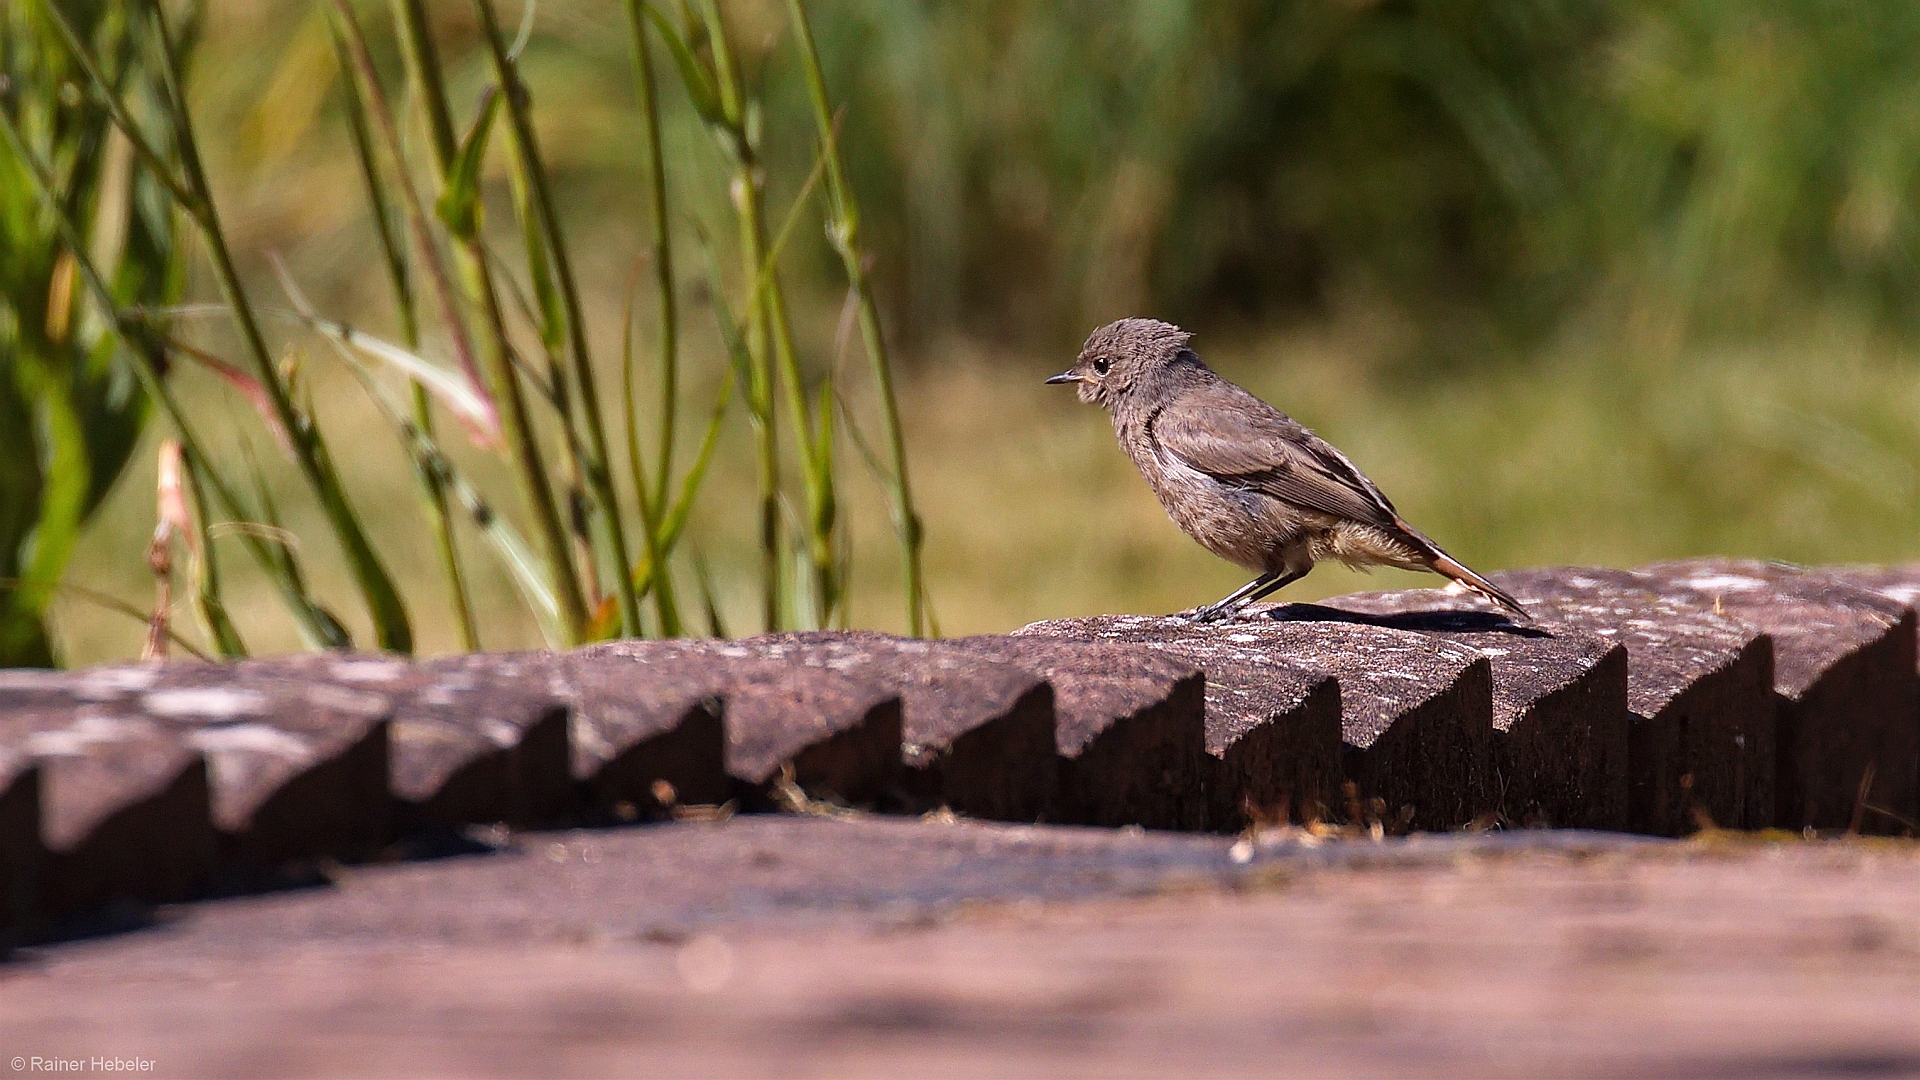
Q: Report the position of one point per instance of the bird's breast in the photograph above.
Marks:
(1237, 524)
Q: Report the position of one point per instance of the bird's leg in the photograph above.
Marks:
(1274, 586)
(1232, 600)
(1251, 592)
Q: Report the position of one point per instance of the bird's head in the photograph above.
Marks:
(1121, 355)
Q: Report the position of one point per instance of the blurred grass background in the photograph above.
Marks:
(1573, 281)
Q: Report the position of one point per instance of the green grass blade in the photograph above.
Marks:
(459, 204)
(400, 281)
(700, 86)
(844, 232)
(756, 378)
(610, 532)
(655, 578)
(675, 521)
(113, 604)
(667, 304)
(552, 323)
(208, 600)
(59, 443)
(732, 336)
(476, 278)
(391, 249)
(449, 388)
(715, 626)
(155, 162)
(279, 539)
(415, 35)
(527, 571)
(731, 102)
(358, 66)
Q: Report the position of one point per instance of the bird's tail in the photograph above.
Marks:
(1447, 566)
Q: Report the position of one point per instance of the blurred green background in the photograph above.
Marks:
(1573, 281)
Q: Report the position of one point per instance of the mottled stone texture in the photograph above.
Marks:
(1415, 711)
(1699, 688)
(640, 733)
(1559, 701)
(1846, 738)
(1142, 769)
(1122, 716)
(123, 809)
(1900, 584)
(841, 734)
(298, 768)
(977, 732)
(1272, 731)
(478, 738)
(1739, 694)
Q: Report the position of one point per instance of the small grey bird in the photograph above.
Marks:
(1240, 476)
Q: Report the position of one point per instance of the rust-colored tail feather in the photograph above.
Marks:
(1445, 565)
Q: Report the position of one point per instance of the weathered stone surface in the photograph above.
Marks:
(1559, 702)
(473, 739)
(1276, 757)
(1272, 729)
(978, 733)
(1126, 722)
(298, 768)
(520, 737)
(486, 739)
(1150, 770)
(1899, 583)
(641, 732)
(841, 734)
(1125, 709)
(1416, 717)
(1844, 675)
(123, 801)
(1699, 688)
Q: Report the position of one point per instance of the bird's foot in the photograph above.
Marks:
(1210, 613)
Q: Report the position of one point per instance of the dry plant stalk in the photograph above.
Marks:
(172, 517)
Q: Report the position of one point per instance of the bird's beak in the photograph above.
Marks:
(1065, 377)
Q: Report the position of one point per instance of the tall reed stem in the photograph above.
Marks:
(845, 234)
(745, 192)
(653, 505)
(599, 475)
(494, 347)
(432, 484)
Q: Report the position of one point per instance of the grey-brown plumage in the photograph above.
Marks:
(1240, 476)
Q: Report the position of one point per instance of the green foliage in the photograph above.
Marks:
(70, 403)
(1041, 165)
(459, 202)
(582, 580)
(147, 32)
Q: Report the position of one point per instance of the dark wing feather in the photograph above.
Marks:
(1234, 437)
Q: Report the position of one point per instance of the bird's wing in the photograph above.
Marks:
(1237, 439)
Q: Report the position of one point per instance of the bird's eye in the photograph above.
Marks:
(1102, 366)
